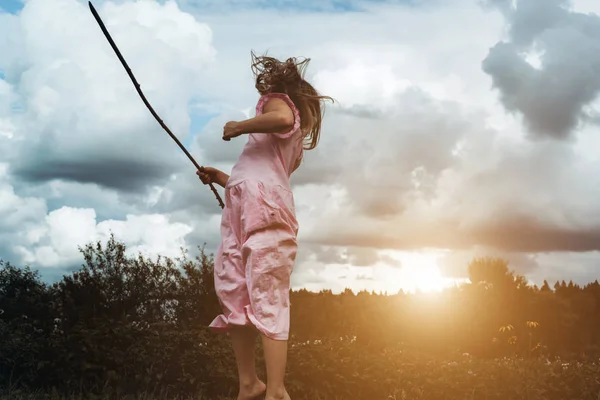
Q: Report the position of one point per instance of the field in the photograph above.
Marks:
(134, 328)
(344, 371)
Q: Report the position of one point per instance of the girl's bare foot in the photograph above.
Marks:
(253, 391)
(279, 396)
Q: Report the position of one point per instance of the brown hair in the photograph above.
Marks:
(274, 76)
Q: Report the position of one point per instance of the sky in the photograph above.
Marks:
(461, 129)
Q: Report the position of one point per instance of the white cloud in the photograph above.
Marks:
(55, 241)
(81, 112)
(17, 214)
(51, 239)
(586, 6)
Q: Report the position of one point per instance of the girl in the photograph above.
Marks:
(258, 227)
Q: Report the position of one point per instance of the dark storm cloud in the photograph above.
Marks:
(524, 233)
(509, 232)
(120, 174)
(553, 98)
(127, 162)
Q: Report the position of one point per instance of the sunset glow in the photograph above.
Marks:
(420, 272)
(414, 272)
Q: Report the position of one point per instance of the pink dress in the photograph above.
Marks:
(258, 232)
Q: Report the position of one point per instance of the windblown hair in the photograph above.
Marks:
(274, 76)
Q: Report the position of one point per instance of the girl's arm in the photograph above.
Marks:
(221, 178)
(277, 117)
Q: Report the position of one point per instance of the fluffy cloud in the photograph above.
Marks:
(50, 240)
(81, 118)
(548, 69)
(55, 241)
(81, 154)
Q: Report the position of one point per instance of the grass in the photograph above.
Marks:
(417, 379)
(46, 396)
(349, 372)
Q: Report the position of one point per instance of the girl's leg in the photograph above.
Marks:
(269, 248)
(232, 291)
(243, 339)
(275, 359)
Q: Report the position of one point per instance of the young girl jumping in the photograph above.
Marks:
(258, 226)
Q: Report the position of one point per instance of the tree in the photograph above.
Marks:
(492, 272)
(545, 287)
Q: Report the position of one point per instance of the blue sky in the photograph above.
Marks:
(11, 6)
(285, 5)
(198, 121)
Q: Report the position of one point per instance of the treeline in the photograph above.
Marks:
(497, 314)
(132, 323)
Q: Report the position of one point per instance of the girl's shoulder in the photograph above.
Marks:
(281, 96)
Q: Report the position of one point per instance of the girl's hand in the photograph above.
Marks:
(212, 175)
(207, 174)
(231, 130)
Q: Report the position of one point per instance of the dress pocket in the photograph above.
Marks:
(266, 207)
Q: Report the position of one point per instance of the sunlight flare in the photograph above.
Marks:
(420, 272)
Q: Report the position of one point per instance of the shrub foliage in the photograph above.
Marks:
(125, 324)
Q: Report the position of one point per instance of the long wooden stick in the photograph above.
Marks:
(139, 90)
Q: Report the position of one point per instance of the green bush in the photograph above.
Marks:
(129, 325)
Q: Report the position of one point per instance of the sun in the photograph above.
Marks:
(420, 272)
